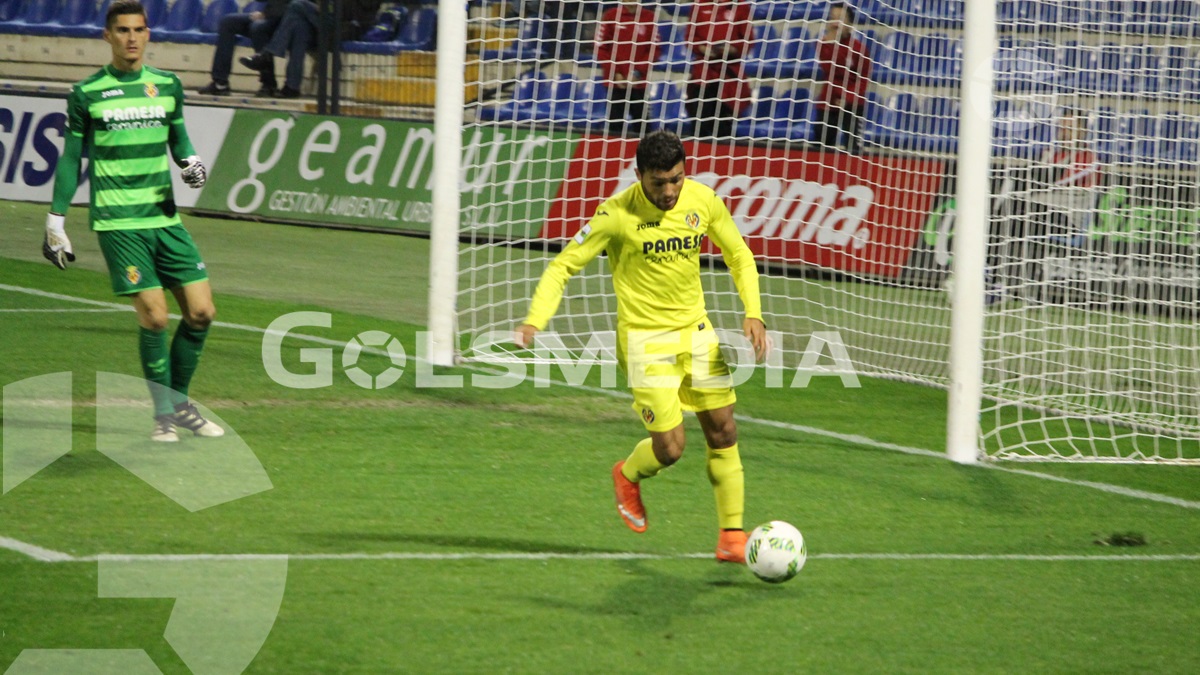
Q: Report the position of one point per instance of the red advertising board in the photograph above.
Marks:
(830, 210)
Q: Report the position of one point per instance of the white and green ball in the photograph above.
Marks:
(775, 552)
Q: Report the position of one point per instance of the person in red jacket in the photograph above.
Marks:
(719, 35)
(627, 47)
(846, 67)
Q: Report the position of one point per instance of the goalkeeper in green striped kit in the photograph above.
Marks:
(126, 116)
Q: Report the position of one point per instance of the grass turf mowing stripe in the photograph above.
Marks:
(799, 428)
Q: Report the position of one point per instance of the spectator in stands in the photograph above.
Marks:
(258, 26)
(719, 35)
(846, 69)
(297, 33)
(627, 47)
(560, 26)
(1064, 183)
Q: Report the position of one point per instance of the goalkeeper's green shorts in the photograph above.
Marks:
(158, 257)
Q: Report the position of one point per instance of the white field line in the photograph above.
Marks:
(45, 555)
(59, 311)
(35, 552)
(798, 428)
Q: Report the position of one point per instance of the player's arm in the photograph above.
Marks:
(56, 247)
(194, 172)
(740, 261)
(586, 245)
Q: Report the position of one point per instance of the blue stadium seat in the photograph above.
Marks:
(1025, 65)
(1178, 141)
(1077, 66)
(666, 109)
(526, 47)
(182, 23)
(528, 90)
(938, 60)
(765, 51)
(789, 10)
(78, 19)
(32, 17)
(589, 109)
(757, 120)
(387, 24)
(800, 52)
(557, 105)
(420, 32)
(894, 61)
(942, 13)
(938, 131)
(1183, 18)
(783, 116)
(673, 54)
(890, 124)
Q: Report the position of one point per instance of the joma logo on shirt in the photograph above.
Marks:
(672, 244)
(112, 92)
(642, 226)
(142, 112)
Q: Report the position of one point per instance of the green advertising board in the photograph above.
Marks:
(378, 173)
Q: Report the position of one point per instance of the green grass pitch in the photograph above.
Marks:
(472, 530)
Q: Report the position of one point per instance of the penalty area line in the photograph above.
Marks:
(798, 428)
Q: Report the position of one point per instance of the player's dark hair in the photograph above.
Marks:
(848, 12)
(659, 151)
(120, 7)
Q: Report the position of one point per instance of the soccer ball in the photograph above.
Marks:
(775, 552)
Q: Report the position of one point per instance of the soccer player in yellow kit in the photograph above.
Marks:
(652, 232)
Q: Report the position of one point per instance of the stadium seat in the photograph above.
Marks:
(789, 10)
(1077, 66)
(764, 60)
(528, 90)
(938, 60)
(1025, 65)
(387, 24)
(1179, 141)
(890, 125)
(559, 103)
(32, 17)
(182, 23)
(895, 59)
(674, 54)
(666, 109)
(526, 47)
(420, 32)
(788, 117)
(589, 108)
(939, 124)
(942, 13)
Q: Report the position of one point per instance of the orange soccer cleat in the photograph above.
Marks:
(731, 546)
(629, 500)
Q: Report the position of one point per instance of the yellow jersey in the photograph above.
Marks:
(655, 259)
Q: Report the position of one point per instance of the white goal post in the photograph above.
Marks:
(1048, 152)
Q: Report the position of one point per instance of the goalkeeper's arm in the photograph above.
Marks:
(56, 247)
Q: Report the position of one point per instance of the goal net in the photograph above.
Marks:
(1090, 348)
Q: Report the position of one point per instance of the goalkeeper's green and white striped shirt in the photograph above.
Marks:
(125, 121)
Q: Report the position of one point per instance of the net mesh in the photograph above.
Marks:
(834, 150)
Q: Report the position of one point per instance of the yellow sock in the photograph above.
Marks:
(729, 487)
(641, 462)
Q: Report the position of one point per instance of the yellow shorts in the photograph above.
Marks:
(672, 371)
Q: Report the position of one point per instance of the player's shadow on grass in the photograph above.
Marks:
(461, 542)
(651, 598)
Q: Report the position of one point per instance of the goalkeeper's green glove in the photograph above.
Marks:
(56, 247)
(194, 173)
